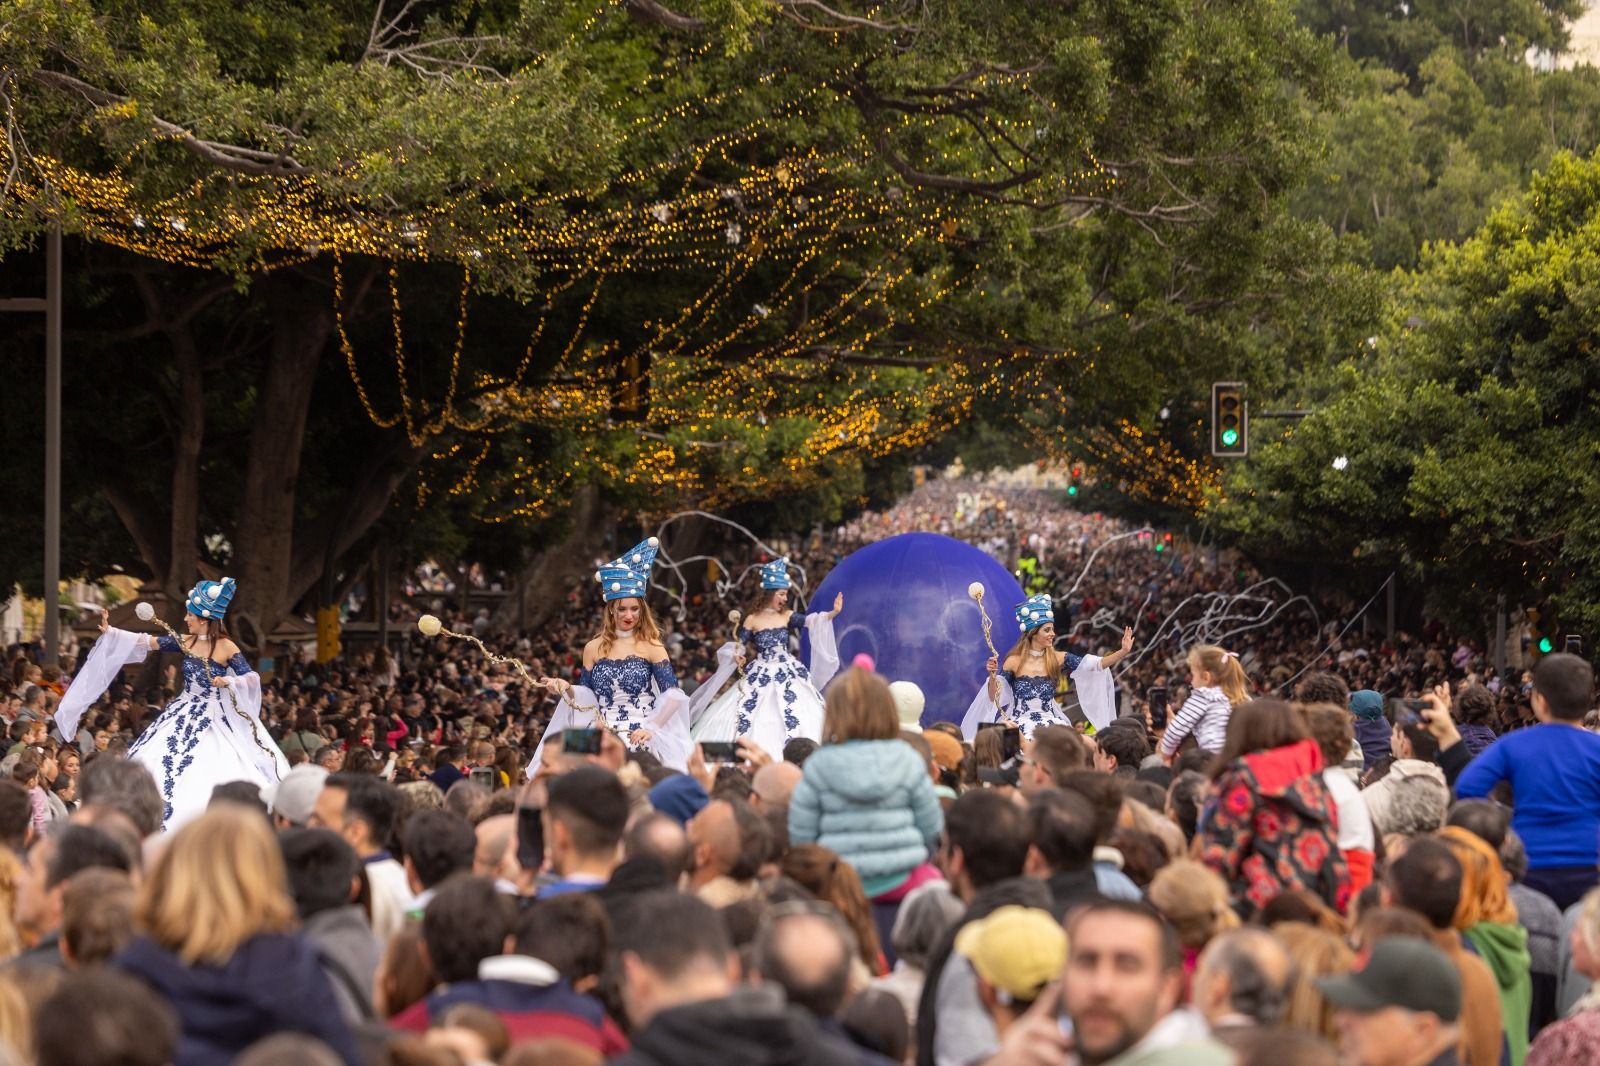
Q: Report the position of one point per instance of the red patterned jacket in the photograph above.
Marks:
(1271, 826)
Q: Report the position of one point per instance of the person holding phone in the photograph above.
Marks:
(1022, 689)
(778, 698)
(628, 685)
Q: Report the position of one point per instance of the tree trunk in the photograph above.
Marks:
(541, 587)
(264, 534)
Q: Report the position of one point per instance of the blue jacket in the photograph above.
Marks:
(273, 983)
(872, 802)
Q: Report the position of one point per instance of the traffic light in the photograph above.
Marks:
(1230, 420)
(1546, 646)
(1164, 544)
(328, 629)
(1072, 484)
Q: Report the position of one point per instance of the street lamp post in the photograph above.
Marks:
(51, 306)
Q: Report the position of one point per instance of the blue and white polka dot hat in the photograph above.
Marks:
(1034, 612)
(775, 575)
(210, 599)
(628, 575)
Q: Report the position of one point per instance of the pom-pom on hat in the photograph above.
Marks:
(775, 575)
(1034, 612)
(628, 575)
(210, 599)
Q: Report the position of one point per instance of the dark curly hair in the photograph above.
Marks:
(1475, 704)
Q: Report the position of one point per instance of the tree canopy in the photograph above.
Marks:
(365, 256)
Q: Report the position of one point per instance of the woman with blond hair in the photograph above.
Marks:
(216, 939)
(1316, 953)
(628, 685)
(866, 794)
(1194, 901)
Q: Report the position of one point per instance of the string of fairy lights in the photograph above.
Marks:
(720, 210)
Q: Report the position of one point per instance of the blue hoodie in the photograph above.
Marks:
(272, 983)
(872, 803)
(1372, 729)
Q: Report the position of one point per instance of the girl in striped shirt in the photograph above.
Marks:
(1216, 686)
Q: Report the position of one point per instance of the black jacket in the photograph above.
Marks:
(752, 1027)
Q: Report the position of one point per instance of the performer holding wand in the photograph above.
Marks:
(1030, 674)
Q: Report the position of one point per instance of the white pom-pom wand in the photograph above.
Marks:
(144, 611)
(429, 625)
(975, 590)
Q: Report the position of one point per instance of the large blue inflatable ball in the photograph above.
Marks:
(906, 605)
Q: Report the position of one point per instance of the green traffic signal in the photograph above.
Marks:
(1072, 490)
(1230, 437)
(1546, 646)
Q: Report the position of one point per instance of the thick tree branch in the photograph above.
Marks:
(652, 12)
(228, 156)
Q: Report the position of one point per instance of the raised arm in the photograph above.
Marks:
(1108, 661)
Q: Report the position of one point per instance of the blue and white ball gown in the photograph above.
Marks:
(1031, 701)
(207, 736)
(627, 694)
(778, 699)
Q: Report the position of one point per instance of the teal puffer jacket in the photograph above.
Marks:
(871, 802)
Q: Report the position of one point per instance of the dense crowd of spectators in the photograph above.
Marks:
(1339, 875)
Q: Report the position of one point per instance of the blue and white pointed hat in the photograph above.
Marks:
(210, 599)
(775, 575)
(1034, 612)
(628, 575)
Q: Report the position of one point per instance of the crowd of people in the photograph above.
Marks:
(1319, 850)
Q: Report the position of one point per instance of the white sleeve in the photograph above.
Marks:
(984, 709)
(565, 716)
(824, 649)
(711, 686)
(115, 649)
(1097, 691)
(669, 730)
(246, 689)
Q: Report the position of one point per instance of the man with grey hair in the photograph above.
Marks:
(1241, 984)
(126, 786)
(924, 916)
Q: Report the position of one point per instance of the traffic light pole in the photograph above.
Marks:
(51, 306)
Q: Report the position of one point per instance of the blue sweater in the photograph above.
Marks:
(872, 803)
(1554, 772)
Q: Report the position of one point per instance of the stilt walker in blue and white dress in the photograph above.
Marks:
(211, 733)
(628, 685)
(1023, 688)
(776, 699)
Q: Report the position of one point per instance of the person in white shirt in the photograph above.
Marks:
(362, 809)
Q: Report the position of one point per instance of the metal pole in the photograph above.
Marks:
(1499, 659)
(52, 446)
(1389, 619)
(383, 596)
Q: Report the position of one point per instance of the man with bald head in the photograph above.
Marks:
(495, 856)
(656, 836)
(772, 786)
(1241, 984)
(807, 952)
(715, 847)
